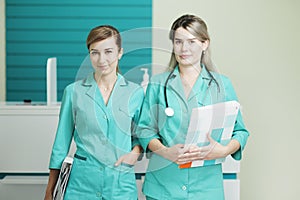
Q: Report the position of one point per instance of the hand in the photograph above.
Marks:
(210, 152)
(48, 196)
(172, 153)
(130, 158)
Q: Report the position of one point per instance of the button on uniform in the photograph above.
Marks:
(98, 194)
(183, 188)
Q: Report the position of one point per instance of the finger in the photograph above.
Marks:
(210, 139)
(119, 161)
(190, 159)
(181, 146)
(189, 156)
(127, 164)
(195, 150)
(205, 148)
(182, 162)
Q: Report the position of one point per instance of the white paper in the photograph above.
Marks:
(218, 120)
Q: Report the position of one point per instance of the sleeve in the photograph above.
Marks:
(64, 132)
(148, 127)
(240, 133)
(137, 101)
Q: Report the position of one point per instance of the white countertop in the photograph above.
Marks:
(19, 108)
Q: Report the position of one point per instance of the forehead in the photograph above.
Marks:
(182, 33)
(104, 44)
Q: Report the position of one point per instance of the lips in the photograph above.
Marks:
(103, 67)
(184, 56)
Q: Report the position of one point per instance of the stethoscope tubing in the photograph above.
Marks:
(170, 111)
(165, 87)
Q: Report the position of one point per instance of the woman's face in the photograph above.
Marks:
(187, 48)
(105, 56)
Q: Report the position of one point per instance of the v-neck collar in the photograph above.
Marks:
(93, 90)
(200, 85)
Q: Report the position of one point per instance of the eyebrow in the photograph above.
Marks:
(187, 39)
(110, 48)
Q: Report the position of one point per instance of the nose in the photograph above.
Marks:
(101, 58)
(184, 46)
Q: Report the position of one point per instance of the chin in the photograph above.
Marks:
(185, 63)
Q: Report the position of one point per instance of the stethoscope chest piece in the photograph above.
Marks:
(169, 112)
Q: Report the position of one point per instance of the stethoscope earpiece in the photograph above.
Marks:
(169, 112)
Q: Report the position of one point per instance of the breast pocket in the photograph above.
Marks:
(124, 120)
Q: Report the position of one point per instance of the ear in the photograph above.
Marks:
(205, 45)
(120, 53)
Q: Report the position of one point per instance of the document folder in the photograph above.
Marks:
(218, 120)
(63, 179)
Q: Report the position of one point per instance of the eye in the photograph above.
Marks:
(108, 51)
(178, 42)
(94, 53)
(192, 41)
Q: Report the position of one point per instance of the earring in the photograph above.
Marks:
(203, 52)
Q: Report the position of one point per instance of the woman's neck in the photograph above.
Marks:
(189, 76)
(106, 82)
(190, 72)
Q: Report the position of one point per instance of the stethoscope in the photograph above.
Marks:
(170, 111)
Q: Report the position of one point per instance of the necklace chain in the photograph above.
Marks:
(110, 85)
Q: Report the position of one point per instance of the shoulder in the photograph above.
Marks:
(130, 85)
(131, 88)
(228, 88)
(69, 88)
(225, 80)
(160, 78)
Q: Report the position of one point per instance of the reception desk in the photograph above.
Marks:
(27, 133)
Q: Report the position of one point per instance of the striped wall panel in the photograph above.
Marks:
(39, 29)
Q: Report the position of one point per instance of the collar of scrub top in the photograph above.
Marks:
(92, 86)
(90, 81)
(204, 74)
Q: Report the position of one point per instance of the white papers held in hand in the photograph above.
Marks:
(63, 178)
(218, 120)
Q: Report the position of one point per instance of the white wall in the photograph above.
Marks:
(256, 43)
(2, 50)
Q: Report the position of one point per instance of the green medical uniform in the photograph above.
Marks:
(102, 134)
(164, 180)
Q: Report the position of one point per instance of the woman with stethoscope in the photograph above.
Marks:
(191, 82)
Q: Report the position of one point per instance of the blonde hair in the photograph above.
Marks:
(197, 27)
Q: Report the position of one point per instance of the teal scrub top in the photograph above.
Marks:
(164, 180)
(102, 134)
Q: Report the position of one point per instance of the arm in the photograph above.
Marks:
(53, 176)
(62, 142)
(130, 158)
(136, 101)
(64, 131)
(215, 150)
(212, 151)
(171, 153)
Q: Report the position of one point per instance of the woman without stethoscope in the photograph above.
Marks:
(191, 82)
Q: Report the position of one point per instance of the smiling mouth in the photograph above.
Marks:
(103, 67)
(184, 56)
